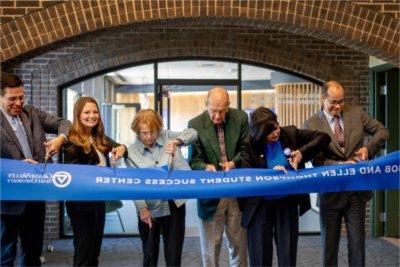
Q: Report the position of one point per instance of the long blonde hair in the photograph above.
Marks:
(77, 135)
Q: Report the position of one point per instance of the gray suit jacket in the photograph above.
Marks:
(356, 123)
(36, 123)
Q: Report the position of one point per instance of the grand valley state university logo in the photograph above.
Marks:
(62, 179)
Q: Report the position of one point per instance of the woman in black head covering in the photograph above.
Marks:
(276, 217)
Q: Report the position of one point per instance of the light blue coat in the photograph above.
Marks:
(141, 157)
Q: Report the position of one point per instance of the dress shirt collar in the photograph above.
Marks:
(141, 148)
(8, 116)
(329, 117)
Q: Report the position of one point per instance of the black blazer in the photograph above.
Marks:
(307, 141)
(74, 154)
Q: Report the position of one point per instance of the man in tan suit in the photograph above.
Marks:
(346, 126)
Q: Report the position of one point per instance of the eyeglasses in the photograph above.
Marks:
(145, 134)
(340, 102)
(222, 111)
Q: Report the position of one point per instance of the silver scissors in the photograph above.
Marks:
(46, 160)
(170, 165)
(133, 163)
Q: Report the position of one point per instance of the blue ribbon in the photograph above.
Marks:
(24, 181)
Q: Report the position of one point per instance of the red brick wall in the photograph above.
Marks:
(388, 7)
(12, 9)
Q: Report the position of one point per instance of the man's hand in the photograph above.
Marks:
(361, 154)
(295, 159)
(280, 168)
(31, 161)
(118, 152)
(146, 216)
(227, 166)
(347, 162)
(53, 146)
(210, 168)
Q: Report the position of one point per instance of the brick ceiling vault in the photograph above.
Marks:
(338, 22)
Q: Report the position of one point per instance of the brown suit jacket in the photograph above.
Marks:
(356, 124)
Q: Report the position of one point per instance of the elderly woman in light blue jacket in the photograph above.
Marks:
(153, 148)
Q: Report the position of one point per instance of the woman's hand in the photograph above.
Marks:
(118, 152)
(210, 168)
(146, 216)
(29, 160)
(295, 159)
(280, 168)
(170, 148)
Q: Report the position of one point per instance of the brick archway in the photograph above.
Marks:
(104, 54)
(102, 57)
(339, 22)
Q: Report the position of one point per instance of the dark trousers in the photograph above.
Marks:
(173, 231)
(331, 221)
(88, 228)
(276, 219)
(29, 226)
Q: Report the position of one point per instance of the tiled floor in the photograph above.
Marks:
(127, 252)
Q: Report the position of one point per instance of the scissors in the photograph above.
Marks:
(170, 165)
(46, 160)
(133, 163)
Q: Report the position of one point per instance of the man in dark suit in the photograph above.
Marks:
(346, 126)
(22, 137)
(221, 139)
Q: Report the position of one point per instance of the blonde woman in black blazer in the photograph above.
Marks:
(88, 145)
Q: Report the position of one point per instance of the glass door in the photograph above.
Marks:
(179, 104)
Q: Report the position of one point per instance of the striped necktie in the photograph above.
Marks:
(21, 135)
(221, 139)
(338, 132)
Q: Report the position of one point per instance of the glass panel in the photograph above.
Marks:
(123, 115)
(197, 69)
(134, 85)
(256, 88)
(71, 96)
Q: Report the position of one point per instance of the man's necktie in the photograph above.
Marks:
(338, 131)
(21, 135)
(221, 139)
